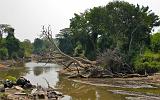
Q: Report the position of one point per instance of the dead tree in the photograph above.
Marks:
(84, 67)
(61, 58)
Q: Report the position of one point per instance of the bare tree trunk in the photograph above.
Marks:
(46, 32)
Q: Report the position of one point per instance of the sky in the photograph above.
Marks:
(28, 16)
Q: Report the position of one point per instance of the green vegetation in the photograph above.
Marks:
(118, 35)
(149, 61)
(119, 27)
(155, 42)
(11, 78)
(40, 46)
(11, 47)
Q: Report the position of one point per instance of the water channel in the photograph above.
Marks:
(36, 72)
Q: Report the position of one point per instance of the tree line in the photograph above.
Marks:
(13, 48)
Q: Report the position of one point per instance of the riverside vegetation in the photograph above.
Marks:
(115, 40)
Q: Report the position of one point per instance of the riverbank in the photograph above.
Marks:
(10, 63)
(137, 88)
(136, 82)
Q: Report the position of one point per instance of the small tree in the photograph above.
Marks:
(3, 53)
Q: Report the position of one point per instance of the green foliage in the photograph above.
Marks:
(38, 46)
(155, 42)
(10, 47)
(118, 25)
(3, 53)
(13, 46)
(78, 51)
(65, 41)
(148, 62)
(27, 48)
(11, 78)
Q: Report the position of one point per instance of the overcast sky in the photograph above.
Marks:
(28, 16)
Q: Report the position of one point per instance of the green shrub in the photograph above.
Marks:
(3, 53)
(149, 62)
(155, 42)
(11, 78)
(14, 55)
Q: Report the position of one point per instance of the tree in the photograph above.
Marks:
(155, 42)
(38, 46)
(3, 53)
(27, 45)
(125, 25)
(66, 41)
(3, 29)
(10, 47)
(12, 44)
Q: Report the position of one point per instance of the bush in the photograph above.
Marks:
(11, 78)
(149, 62)
(3, 53)
(14, 55)
(155, 42)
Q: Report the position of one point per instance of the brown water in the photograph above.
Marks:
(36, 72)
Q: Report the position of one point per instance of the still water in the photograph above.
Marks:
(36, 72)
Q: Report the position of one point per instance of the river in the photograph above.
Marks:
(36, 72)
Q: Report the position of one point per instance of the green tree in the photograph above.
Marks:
(12, 44)
(155, 42)
(127, 26)
(3, 53)
(66, 41)
(4, 29)
(38, 46)
(28, 48)
(148, 63)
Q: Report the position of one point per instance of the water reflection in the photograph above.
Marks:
(79, 91)
(39, 71)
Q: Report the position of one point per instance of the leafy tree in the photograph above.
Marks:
(27, 46)
(125, 25)
(38, 46)
(66, 41)
(4, 29)
(3, 53)
(12, 44)
(10, 47)
(155, 42)
(148, 63)
(2, 43)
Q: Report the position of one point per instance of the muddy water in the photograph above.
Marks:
(36, 72)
